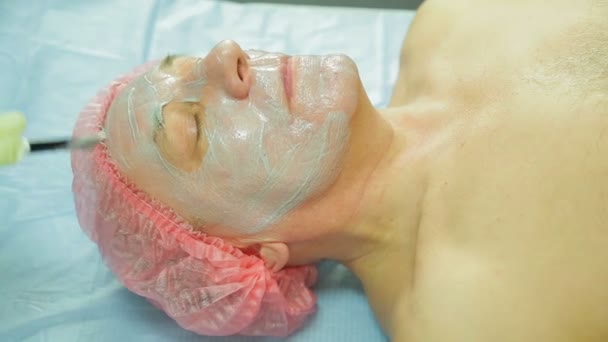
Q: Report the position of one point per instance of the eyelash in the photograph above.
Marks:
(198, 126)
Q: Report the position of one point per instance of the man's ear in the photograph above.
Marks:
(274, 254)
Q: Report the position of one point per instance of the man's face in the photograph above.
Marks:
(235, 139)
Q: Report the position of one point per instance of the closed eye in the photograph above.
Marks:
(196, 110)
(198, 127)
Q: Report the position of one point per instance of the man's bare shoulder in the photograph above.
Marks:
(565, 46)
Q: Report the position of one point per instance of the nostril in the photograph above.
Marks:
(240, 68)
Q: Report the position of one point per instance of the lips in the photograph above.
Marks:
(286, 71)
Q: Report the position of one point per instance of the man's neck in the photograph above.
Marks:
(391, 217)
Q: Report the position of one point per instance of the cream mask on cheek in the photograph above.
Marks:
(264, 153)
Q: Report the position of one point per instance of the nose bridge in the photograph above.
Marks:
(191, 88)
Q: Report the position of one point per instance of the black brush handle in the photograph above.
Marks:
(49, 145)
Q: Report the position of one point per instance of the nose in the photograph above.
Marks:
(228, 63)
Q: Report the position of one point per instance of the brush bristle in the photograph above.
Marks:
(87, 142)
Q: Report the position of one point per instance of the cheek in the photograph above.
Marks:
(264, 154)
(332, 85)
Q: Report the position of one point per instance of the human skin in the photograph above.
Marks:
(487, 218)
(504, 105)
(475, 207)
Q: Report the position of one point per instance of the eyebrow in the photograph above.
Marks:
(167, 62)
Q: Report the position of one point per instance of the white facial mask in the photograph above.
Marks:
(265, 154)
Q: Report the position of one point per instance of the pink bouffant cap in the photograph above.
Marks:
(203, 283)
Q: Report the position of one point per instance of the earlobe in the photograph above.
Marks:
(275, 255)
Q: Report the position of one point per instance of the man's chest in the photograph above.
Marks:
(512, 242)
(471, 54)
